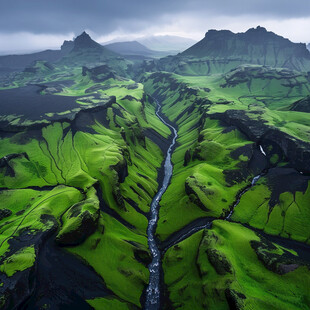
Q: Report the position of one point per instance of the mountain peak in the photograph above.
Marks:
(85, 41)
(67, 46)
(212, 33)
(262, 29)
(255, 46)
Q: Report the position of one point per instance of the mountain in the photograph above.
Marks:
(129, 48)
(257, 43)
(84, 41)
(87, 52)
(167, 43)
(67, 46)
(221, 51)
(19, 62)
(308, 46)
(135, 51)
(157, 192)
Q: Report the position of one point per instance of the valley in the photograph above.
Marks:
(179, 182)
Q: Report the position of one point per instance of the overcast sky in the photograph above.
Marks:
(40, 24)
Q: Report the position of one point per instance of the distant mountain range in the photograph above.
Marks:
(254, 44)
(84, 51)
(221, 51)
(19, 62)
(167, 43)
(129, 48)
(159, 43)
(218, 52)
(134, 50)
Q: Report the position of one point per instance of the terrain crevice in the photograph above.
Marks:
(152, 301)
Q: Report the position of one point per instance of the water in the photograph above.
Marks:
(191, 232)
(254, 180)
(262, 150)
(153, 293)
(153, 290)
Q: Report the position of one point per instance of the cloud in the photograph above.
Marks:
(57, 19)
(103, 16)
(23, 42)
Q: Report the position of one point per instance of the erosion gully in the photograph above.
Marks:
(157, 248)
(152, 301)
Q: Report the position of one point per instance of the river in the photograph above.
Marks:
(153, 290)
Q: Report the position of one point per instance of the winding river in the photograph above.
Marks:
(152, 301)
(153, 292)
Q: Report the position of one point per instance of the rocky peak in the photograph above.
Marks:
(67, 46)
(85, 41)
(214, 34)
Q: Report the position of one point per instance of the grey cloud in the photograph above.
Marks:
(63, 16)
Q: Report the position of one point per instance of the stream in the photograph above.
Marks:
(203, 223)
(153, 292)
(152, 301)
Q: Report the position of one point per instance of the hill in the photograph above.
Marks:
(19, 62)
(167, 43)
(87, 52)
(221, 51)
(129, 48)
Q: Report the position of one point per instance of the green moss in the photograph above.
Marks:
(19, 261)
(287, 218)
(194, 279)
(107, 303)
(110, 251)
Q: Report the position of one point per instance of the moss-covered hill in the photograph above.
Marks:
(85, 182)
(81, 158)
(221, 51)
(228, 134)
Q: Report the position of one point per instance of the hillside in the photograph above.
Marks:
(166, 43)
(19, 62)
(84, 51)
(221, 51)
(126, 186)
(129, 48)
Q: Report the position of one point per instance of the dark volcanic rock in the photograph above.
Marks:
(219, 262)
(234, 299)
(187, 158)
(81, 232)
(278, 263)
(281, 180)
(297, 152)
(302, 105)
(85, 41)
(4, 213)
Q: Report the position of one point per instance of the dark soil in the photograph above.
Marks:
(28, 102)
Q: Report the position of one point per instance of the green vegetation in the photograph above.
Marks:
(221, 51)
(79, 175)
(106, 303)
(287, 218)
(218, 268)
(19, 261)
(90, 179)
